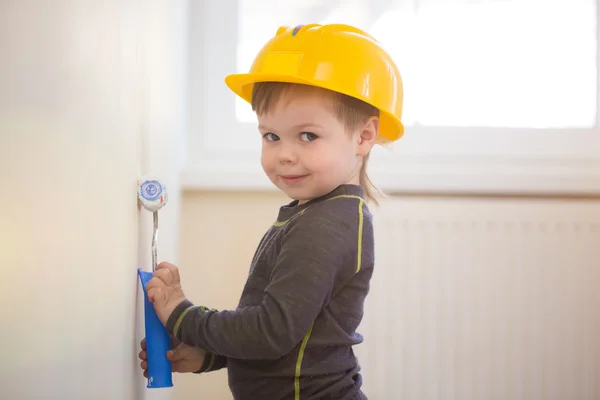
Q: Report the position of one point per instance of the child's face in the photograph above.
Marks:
(306, 150)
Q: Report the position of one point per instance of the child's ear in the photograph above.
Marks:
(368, 136)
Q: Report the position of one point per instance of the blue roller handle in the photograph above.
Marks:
(157, 342)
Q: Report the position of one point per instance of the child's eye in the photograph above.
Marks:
(271, 137)
(308, 136)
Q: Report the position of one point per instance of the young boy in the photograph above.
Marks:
(324, 96)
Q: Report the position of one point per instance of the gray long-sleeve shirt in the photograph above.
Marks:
(292, 334)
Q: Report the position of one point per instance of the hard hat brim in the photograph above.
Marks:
(241, 84)
(390, 127)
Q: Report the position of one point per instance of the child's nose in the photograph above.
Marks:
(287, 154)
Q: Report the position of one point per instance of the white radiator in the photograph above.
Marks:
(484, 299)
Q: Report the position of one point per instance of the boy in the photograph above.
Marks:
(324, 96)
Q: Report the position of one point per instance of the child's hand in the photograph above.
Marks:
(183, 358)
(164, 290)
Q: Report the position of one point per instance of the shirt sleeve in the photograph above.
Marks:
(212, 362)
(316, 248)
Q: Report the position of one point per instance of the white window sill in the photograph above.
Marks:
(420, 174)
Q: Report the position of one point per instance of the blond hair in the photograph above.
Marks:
(350, 111)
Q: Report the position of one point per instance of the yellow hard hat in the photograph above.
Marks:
(337, 57)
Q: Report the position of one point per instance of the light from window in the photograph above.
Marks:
(492, 63)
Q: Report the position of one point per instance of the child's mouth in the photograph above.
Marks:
(292, 179)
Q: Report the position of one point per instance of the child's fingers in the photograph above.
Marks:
(153, 283)
(156, 294)
(142, 355)
(174, 271)
(164, 275)
(143, 344)
(155, 289)
(151, 294)
(175, 355)
(165, 265)
(144, 365)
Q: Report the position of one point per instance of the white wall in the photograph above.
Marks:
(90, 98)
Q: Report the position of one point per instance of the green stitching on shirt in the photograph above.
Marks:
(211, 363)
(360, 233)
(282, 223)
(299, 364)
(347, 196)
(180, 319)
(361, 201)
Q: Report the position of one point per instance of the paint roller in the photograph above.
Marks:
(152, 196)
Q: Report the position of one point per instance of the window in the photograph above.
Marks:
(517, 64)
(500, 95)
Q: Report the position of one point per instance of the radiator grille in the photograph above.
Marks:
(484, 299)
